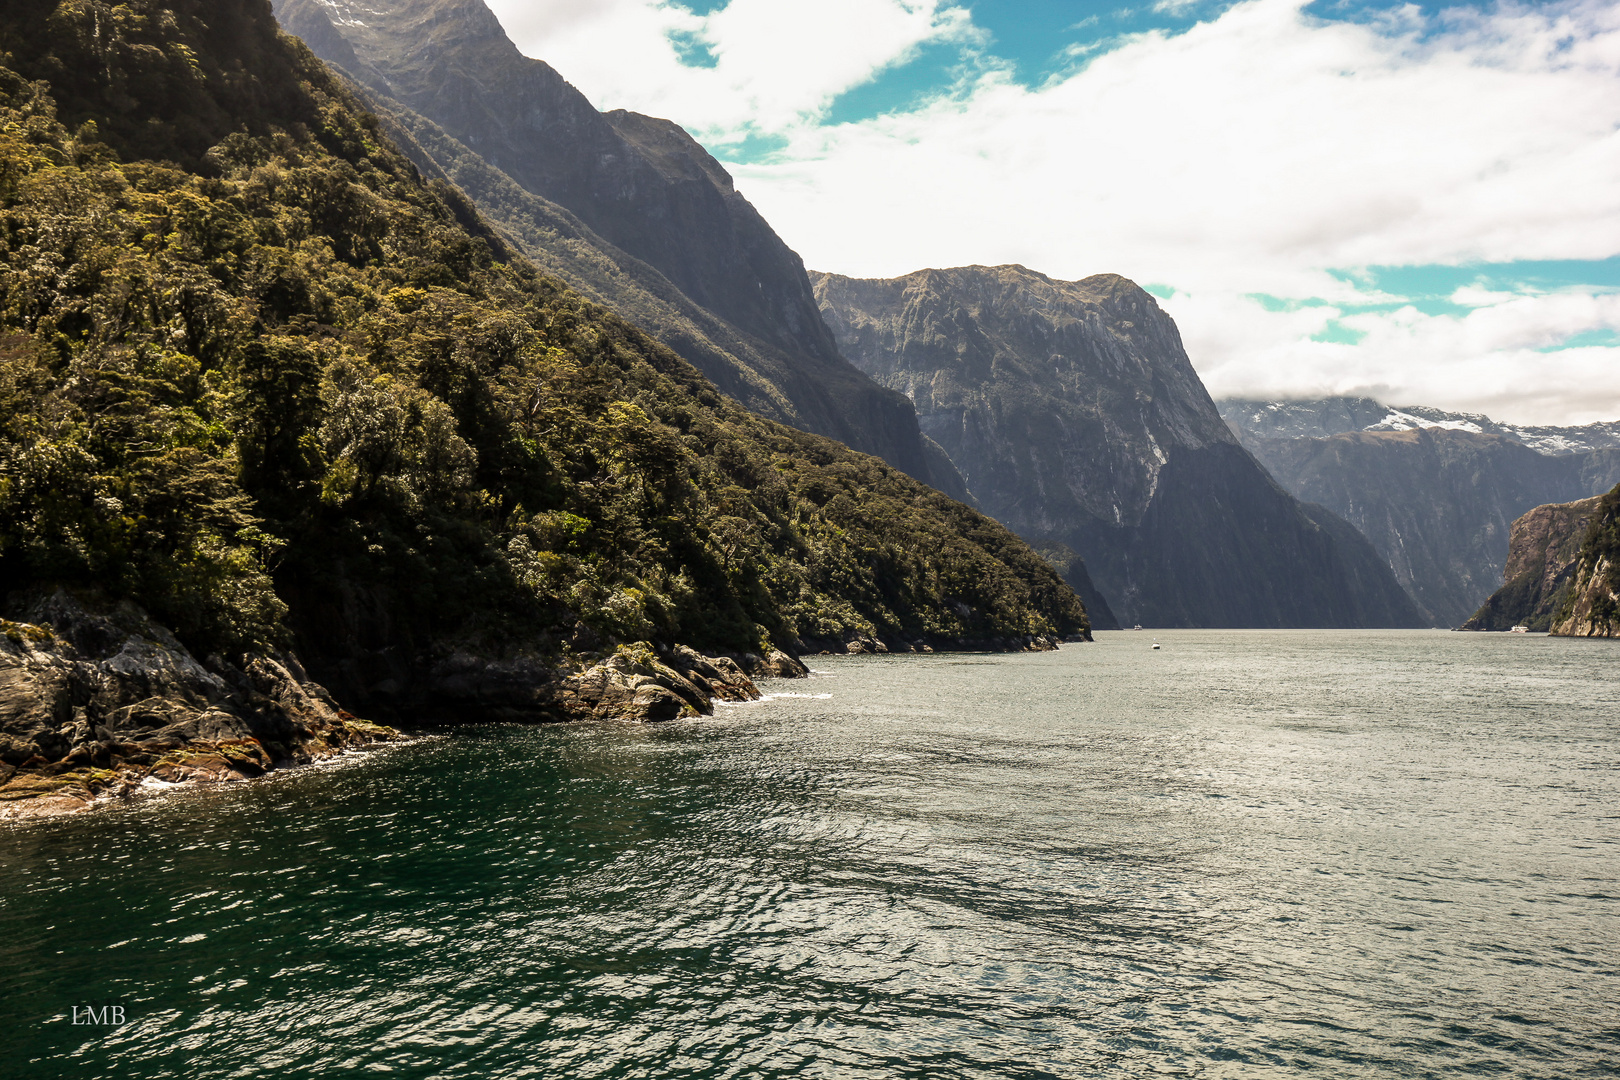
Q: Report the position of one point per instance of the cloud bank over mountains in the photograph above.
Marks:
(1421, 207)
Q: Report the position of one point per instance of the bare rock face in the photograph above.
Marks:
(779, 664)
(632, 682)
(1593, 608)
(1544, 549)
(96, 702)
(1076, 418)
(636, 684)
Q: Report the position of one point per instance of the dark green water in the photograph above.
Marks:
(1250, 853)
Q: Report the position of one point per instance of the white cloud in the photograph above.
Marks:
(1480, 296)
(1250, 154)
(776, 64)
(1489, 360)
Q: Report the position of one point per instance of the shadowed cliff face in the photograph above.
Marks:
(1074, 415)
(1437, 504)
(628, 208)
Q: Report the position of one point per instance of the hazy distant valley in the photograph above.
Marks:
(1435, 492)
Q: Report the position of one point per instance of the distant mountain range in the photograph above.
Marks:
(1435, 492)
(1318, 418)
(1075, 416)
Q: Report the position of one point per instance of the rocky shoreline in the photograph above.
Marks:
(933, 643)
(96, 703)
(98, 700)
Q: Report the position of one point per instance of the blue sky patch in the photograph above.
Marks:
(1339, 334)
(931, 71)
(1436, 281)
(692, 50)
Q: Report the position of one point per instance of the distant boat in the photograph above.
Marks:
(1138, 626)
(1520, 629)
(1155, 643)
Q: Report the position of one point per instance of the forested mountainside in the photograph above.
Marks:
(1319, 418)
(1075, 416)
(1592, 607)
(1437, 503)
(1544, 548)
(628, 209)
(262, 380)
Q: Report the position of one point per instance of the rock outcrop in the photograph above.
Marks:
(1076, 418)
(1437, 503)
(626, 208)
(98, 702)
(630, 682)
(1593, 607)
(1544, 548)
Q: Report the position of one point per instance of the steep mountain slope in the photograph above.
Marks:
(262, 380)
(1319, 418)
(1544, 549)
(1592, 608)
(1076, 418)
(627, 208)
(1437, 503)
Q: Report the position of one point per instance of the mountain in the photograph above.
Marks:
(626, 208)
(1076, 418)
(1322, 417)
(1543, 552)
(1437, 503)
(1593, 606)
(263, 382)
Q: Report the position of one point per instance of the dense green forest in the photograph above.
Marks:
(257, 375)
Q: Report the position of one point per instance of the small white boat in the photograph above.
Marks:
(1155, 643)
(1520, 629)
(1138, 626)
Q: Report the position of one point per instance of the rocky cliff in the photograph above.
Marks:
(1436, 502)
(1544, 548)
(625, 207)
(1592, 608)
(1075, 416)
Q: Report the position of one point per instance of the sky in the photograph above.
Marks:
(1418, 203)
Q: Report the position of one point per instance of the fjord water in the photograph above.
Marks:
(1249, 853)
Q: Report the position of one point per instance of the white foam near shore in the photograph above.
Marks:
(766, 697)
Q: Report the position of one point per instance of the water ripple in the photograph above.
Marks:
(1358, 854)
